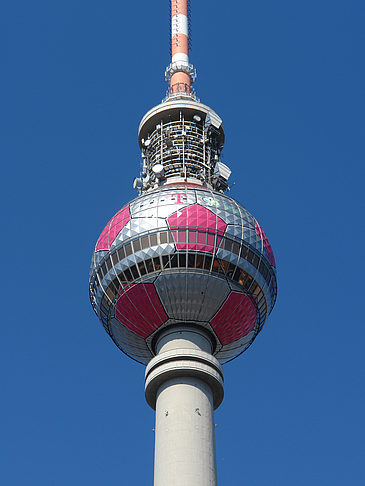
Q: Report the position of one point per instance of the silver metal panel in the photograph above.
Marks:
(232, 350)
(123, 235)
(191, 296)
(97, 257)
(142, 225)
(227, 255)
(246, 234)
(152, 205)
(129, 342)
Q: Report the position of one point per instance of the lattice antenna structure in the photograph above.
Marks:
(183, 277)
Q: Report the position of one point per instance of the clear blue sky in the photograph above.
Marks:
(288, 80)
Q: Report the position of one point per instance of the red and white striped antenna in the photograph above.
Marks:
(180, 74)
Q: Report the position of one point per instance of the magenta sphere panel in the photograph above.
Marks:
(113, 228)
(140, 310)
(266, 244)
(196, 228)
(235, 319)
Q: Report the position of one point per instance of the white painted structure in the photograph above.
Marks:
(184, 384)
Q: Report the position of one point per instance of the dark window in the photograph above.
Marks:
(157, 263)
(103, 305)
(128, 249)
(224, 266)
(122, 279)
(260, 296)
(250, 256)
(165, 260)
(255, 288)
(231, 269)
(236, 247)
(144, 242)
(174, 262)
(199, 261)
(121, 254)
(128, 275)
(116, 284)
(149, 266)
(136, 245)
(163, 237)
(115, 258)
(108, 264)
(103, 269)
(191, 260)
(100, 276)
(216, 267)
(242, 278)
(134, 271)
(228, 244)
(237, 274)
(142, 268)
(182, 260)
(248, 282)
(153, 239)
(244, 251)
(255, 260)
(110, 293)
(208, 262)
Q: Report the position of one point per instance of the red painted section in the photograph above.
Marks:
(266, 244)
(235, 319)
(196, 228)
(179, 7)
(140, 309)
(112, 229)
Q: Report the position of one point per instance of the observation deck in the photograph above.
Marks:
(181, 141)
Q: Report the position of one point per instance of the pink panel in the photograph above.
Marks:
(266, 244)
(112, 229)
(140, 309)
(235, 319)
(196, 217)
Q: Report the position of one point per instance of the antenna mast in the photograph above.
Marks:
(180, 74)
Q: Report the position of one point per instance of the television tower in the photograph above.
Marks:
(183, 277)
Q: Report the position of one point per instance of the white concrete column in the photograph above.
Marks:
(184, 384)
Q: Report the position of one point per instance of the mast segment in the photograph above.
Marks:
(180, 74)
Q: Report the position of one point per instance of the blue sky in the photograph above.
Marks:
(288, 80)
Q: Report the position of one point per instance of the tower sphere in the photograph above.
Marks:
(182, 253)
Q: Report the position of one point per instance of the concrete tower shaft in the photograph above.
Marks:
(184, 384)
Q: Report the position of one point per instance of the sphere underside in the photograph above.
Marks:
(183, 255)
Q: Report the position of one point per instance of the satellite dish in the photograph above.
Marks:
(137, 183)
(197, 118)
(158, 170)
(147, 142)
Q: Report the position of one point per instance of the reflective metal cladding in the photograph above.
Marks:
(183, 254)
